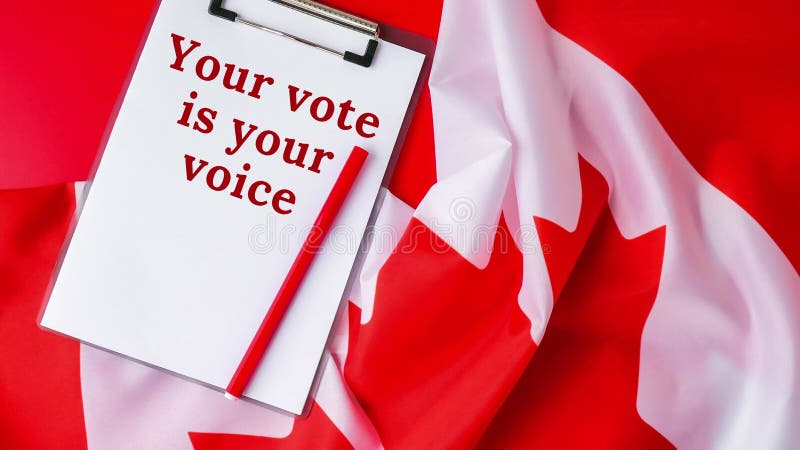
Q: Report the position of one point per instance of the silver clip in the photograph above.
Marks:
(320, 11)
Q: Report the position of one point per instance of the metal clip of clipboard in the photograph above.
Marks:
(320, 11)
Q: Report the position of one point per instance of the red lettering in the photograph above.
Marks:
(212, 173)
(315, 107)
(344, 110)
(283, 195)
(369, 120)
(226, 79)
(206, 123)
(218, 178)
(294, 103)
(274, 139)
(318, 155)
(251, 193)
(187, 110)
(240, 137)
(201, 64)
(240, 179)
(259, 81)
(191, 172)
(181, 54)
(301, 154)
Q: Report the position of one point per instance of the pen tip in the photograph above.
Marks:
(230, 396)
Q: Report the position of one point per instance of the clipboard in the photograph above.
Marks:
(320, 11)
(361, 61)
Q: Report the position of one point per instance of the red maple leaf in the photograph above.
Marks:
(579, 391)
(446, 343)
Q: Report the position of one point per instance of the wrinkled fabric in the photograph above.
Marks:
(581, 253)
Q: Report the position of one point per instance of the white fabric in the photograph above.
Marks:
(719, 367)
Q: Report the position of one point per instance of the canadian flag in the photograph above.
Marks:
(590, 243)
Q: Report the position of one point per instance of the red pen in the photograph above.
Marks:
(291, 283)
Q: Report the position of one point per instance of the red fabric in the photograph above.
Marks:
(64, 64)
(40, 386)
(735, 66)
(314, 432)
(579, 390)
(445, 344)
